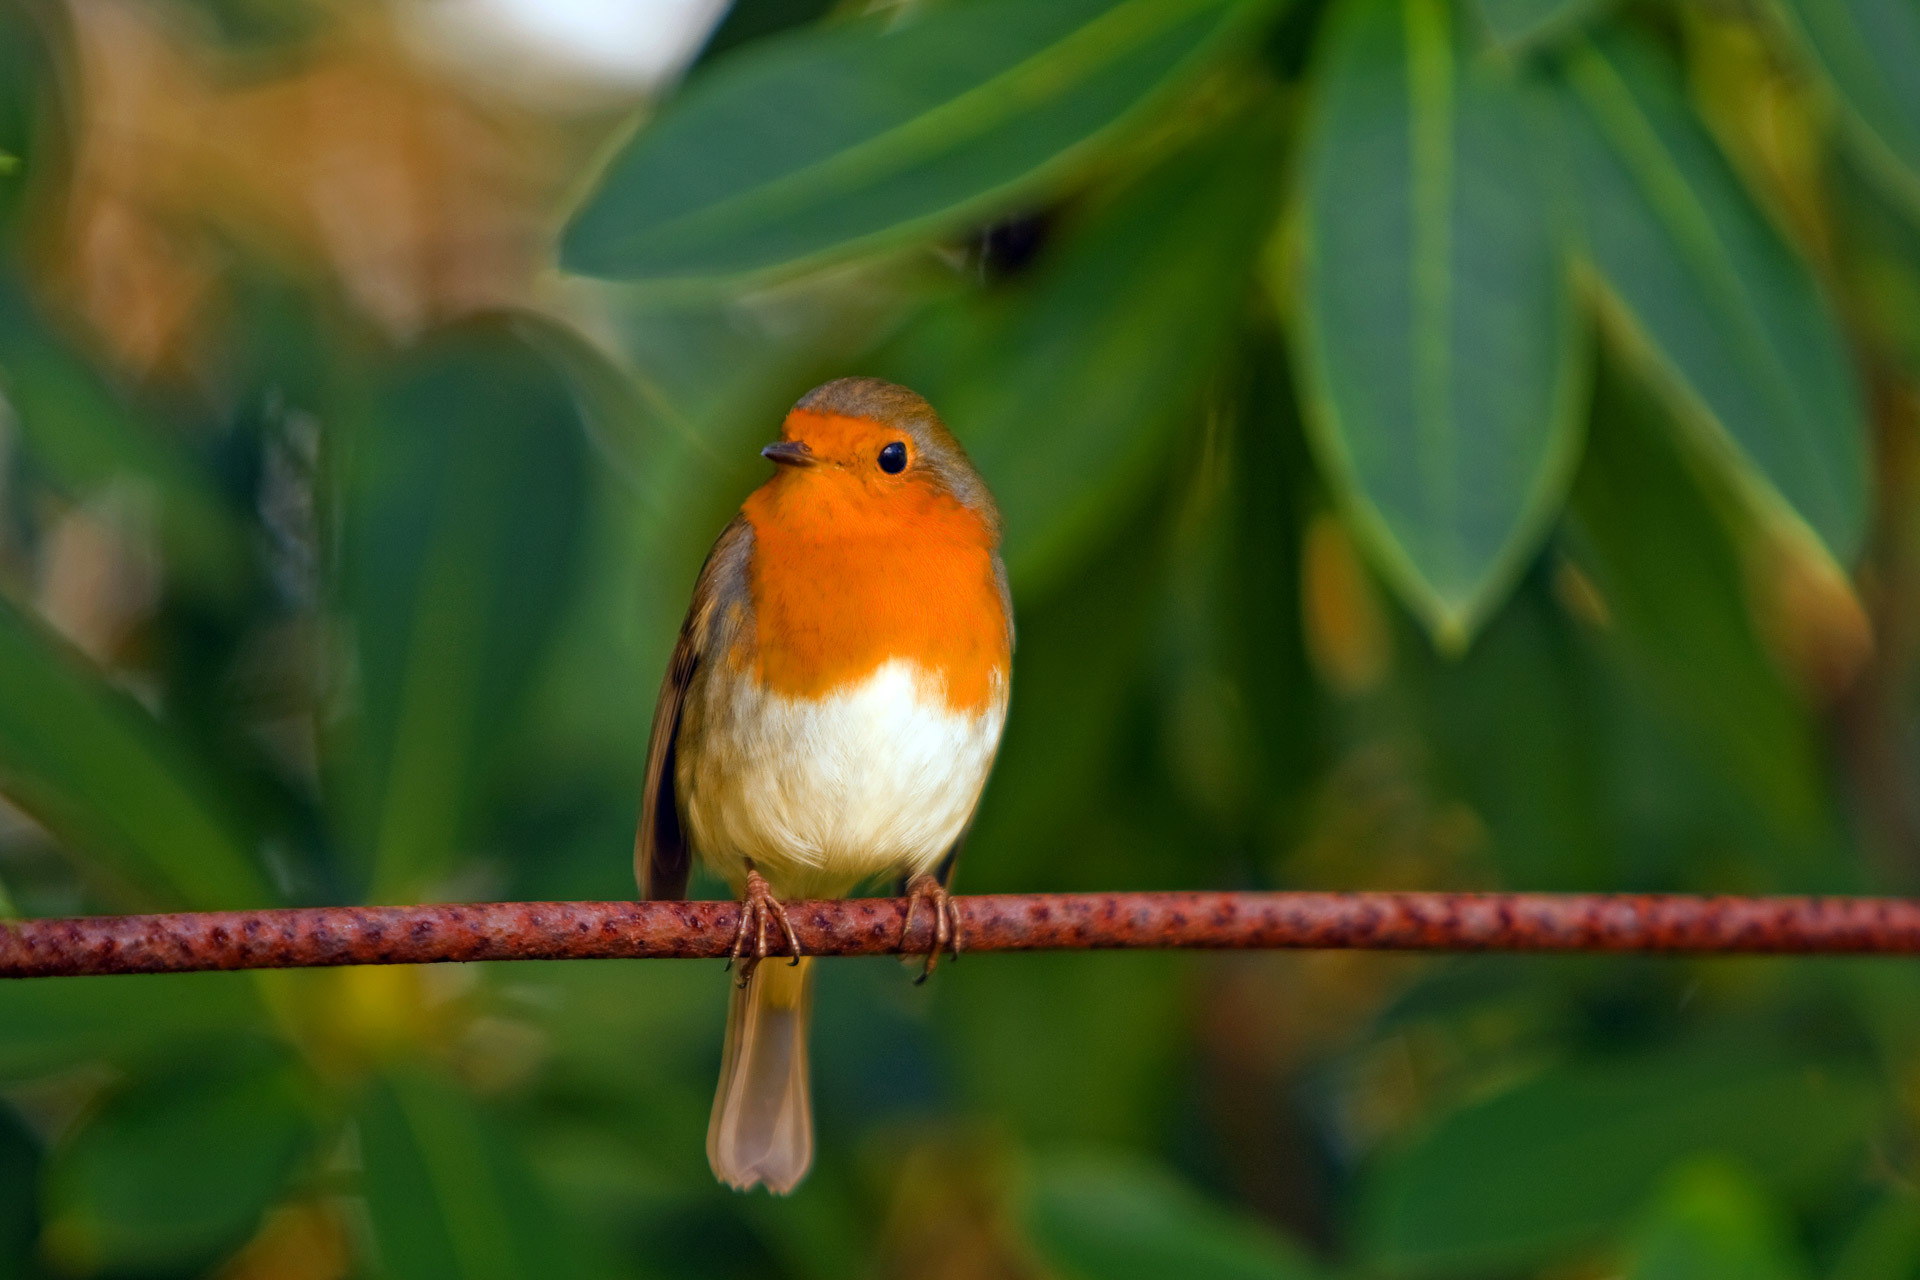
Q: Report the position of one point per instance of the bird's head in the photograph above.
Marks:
(860, 448)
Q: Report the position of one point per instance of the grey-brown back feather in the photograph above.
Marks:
(661, 858)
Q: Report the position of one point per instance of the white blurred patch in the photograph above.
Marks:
(565, 52)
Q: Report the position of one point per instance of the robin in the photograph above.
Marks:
(828, 718)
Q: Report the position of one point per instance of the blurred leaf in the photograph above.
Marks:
(1261, 623)
(449, 1198)
(1869, 51)
(1111, 1218)
(1712, 1223)
(27, 92)
(1080, 651)
(750, 20)
(843, 138)
(57, 1024)
(1722, 309)
(110, 782)
(1066, 391)
(1519, 24)
(1518, 724)
(177, 1167)
(260, 26)
(1886, 1243)
(1440, 341)
(461, 526)
(1671, 581)
(1022, 1033)
(1880, 259)
(84, 433)
(1558, 1162)
(19, 1210)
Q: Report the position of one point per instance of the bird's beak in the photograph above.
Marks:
(788, 453)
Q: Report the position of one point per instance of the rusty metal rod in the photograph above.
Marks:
(323, 936)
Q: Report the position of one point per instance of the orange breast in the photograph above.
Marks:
(843, 583)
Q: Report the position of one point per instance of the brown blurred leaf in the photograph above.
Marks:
(415, 196)
(1340, 608)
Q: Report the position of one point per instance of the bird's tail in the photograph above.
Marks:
(762, 1126)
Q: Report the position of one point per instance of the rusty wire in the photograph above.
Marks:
(325, 936)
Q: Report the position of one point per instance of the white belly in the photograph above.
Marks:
(877, 779)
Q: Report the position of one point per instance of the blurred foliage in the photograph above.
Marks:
(1444, 443)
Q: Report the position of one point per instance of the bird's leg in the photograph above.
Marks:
(948, 934)
(755, 907)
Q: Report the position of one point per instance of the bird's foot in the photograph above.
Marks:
(750, 937)
(948, 934)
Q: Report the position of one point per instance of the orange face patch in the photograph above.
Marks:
(853, 567)
(853, 444)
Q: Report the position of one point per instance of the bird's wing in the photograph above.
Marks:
(661, 859)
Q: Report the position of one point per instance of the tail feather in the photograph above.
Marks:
(762, 1126)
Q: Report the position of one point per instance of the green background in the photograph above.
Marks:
(1456, 444)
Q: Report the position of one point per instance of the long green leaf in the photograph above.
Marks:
(178, 1166)
(20, 1161)
(1507, 1184)
(1440, 341)
(1720, 307)
(879, 130)
(448, 1195)
(1105, 1218)
(1671, 576)
(93, 767)
(1713, 1223)
(1869, 51)
(1065, 390)
(461, 525)
(62, 1024)
(84, 434)
(26, 98)
(1523, 24)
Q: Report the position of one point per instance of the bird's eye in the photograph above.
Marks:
(893, 458)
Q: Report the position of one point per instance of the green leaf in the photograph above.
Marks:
(1715, 302)
(1441, 348)
(1885, 1243)
(1066, 390)
(177, 1167)
(1522, 24)
(449, 1197)
(50, 1025)
(86, 434)
(1869, 51)
(20, 1160)
(848, 137)
(1672, 581)
(1021, 1037)
(1519, 725)
(1711, 1222)
(26, 96)
(462, 523)
(1111, 1218)
(1559, 1162)
(109, 781)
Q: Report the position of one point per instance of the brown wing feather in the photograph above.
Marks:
(661, 859)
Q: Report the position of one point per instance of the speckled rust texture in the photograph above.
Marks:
(319, 936)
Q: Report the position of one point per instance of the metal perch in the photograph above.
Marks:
(324, 936)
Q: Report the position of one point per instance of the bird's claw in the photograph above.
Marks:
(750, 936)
(948, 932)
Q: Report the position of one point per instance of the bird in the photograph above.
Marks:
(829, 717)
